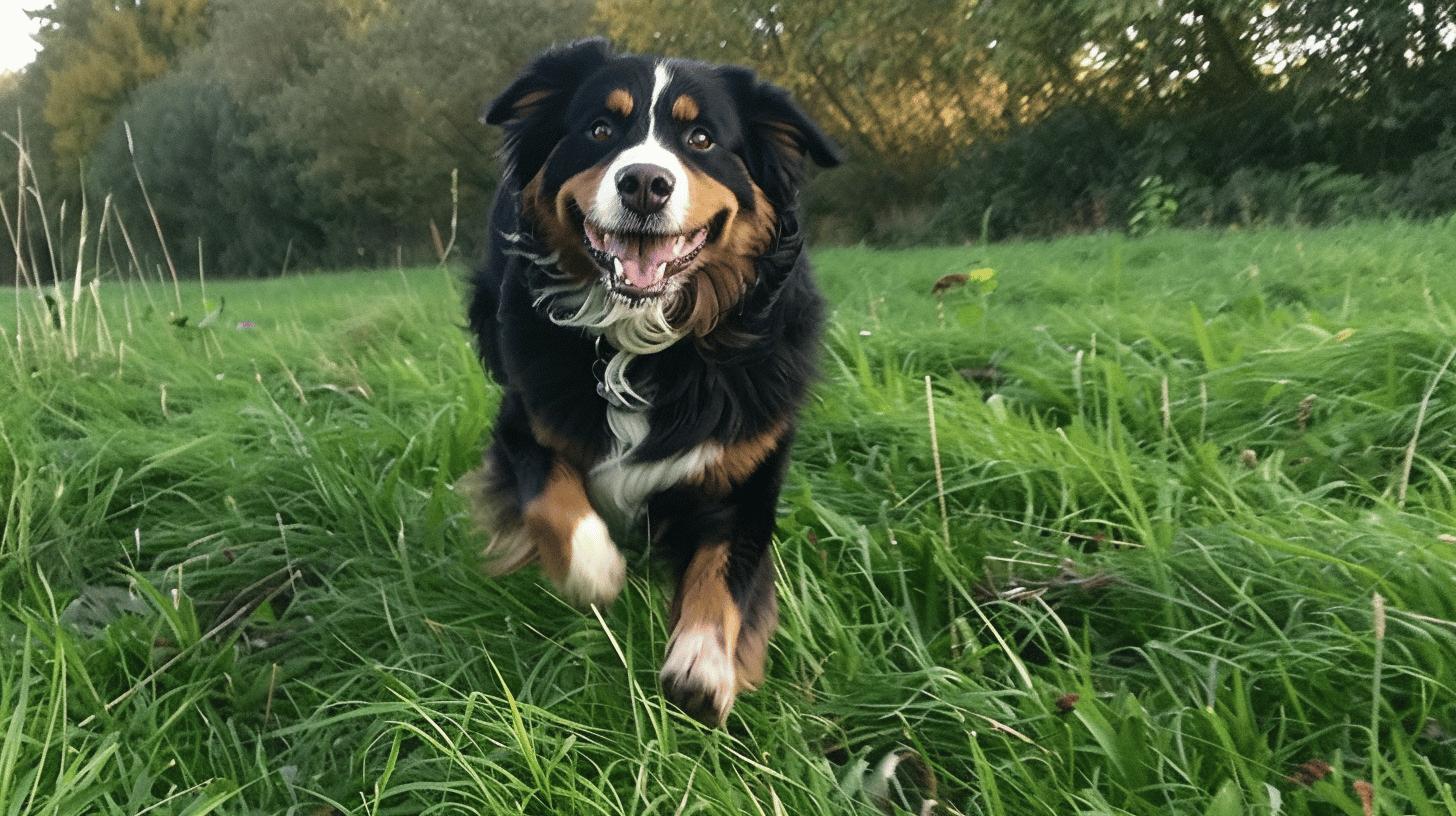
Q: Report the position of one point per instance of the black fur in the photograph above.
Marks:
(747, 378)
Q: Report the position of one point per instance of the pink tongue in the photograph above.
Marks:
(641, 259)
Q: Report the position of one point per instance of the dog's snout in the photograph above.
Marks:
(644, 188)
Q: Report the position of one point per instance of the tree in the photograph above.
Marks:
(380, 100)
(902, 84)
(217, 190)
(95, 53)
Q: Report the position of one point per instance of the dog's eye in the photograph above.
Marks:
(699, 139)
(600, 131)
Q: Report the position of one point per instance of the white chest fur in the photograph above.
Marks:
(621, 487)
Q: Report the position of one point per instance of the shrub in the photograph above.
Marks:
(1154, 208)
(864, 202)
(1070, 171)
(211, 182)
(1429, 189)
(1312, 194)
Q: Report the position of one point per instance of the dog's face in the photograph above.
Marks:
(658, 181)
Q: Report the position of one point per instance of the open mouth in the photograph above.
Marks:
(639, 264)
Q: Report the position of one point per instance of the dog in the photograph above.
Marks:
(647, 307)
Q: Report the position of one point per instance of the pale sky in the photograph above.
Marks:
(17, 49)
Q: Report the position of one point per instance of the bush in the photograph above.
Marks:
(1085, 168)
(1073, 170)
(866, 203)
(1155, 207)
(1429, 189)
(211, 182)
(1312, 194)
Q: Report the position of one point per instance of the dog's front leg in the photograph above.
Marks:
(719, 636)
(532, 502)
(725, 608)
(572, 541)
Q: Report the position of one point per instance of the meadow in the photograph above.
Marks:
(1183, 542)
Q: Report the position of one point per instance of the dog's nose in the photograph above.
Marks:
(644, 188)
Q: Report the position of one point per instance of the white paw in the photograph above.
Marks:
(597, 571)
(698, 674)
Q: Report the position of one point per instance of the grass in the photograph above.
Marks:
(234, 577)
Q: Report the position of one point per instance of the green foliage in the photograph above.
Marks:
(1429, 189)
(234, 576)
(322, 133)
(906, 97)
(94, 53)
(1155, 207)
(971, 301)
(214, 184)
(1025, 117)
(1052, 113)
(1072, 170)
(1312, 194)
(379, 102)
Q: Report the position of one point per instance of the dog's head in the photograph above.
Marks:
(655, 182)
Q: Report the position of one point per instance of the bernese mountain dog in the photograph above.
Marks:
(647, 307)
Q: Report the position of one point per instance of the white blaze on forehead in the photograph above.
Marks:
(607, 210)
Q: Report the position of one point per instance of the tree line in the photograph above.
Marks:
(344, 132)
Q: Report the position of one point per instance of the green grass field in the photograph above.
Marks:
(1178, 473)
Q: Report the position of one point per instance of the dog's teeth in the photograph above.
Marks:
(617, 266)
(662, 269)
(677, 246)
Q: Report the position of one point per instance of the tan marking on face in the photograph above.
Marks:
(557, 227)
(685, 108)
(619, 102)
(726, 269)
(723, 270)
(739, 460)
(552, 517)
(718, 277)
(709, 198)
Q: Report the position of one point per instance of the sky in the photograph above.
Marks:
(17, 49)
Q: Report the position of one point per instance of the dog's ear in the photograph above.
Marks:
(778, 135)
(532, 109)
